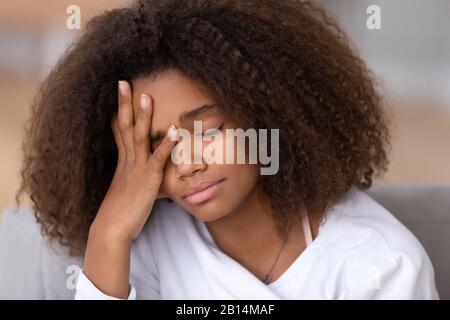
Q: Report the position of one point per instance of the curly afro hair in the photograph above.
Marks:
(268, 63)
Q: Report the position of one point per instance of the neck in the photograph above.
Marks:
(251, 236)
(242, 219)
(249, 232)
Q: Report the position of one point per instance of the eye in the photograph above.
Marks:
(212, 131)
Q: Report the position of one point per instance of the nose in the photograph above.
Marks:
(196, 163)
(184, 170)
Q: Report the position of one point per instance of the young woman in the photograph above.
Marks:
(99, 165)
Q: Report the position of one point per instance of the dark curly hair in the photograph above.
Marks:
(268, 63)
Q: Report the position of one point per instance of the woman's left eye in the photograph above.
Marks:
(211, 131)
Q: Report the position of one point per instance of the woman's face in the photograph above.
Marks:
(175, 97)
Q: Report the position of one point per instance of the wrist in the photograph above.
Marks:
(109, 234)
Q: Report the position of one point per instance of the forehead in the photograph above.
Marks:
(172, 94)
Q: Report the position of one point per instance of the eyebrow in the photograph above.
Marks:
(158, 135)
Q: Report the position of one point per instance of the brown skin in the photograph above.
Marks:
(240, 180)
(266, 64)
(130, 198)
(239, 221)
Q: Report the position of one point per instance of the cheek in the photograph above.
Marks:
(241, 177)
(249, 173)
(215, 151)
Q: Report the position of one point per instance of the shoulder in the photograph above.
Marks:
(366, 221)
(381, 257)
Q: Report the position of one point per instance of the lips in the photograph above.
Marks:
(202, 191)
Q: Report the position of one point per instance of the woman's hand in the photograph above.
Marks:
(139, 173)
(130, 197)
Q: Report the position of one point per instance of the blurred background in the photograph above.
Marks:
(410, 55)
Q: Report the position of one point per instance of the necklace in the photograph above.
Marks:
(268, 275)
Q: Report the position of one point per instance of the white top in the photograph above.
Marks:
(361, 252)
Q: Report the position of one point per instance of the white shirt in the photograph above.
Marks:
(361, 252)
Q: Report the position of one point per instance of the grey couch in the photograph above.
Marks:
(32, 268)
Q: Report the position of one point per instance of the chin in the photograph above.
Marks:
(208, 211)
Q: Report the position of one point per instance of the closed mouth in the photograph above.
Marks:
(202, 192)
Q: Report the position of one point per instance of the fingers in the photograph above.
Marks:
(126, 118)
(142, 129)
(117, 137)
(162, 152)
(132, 129)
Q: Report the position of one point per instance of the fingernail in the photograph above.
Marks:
(121, 87)
(145, 101)
(172, 133)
